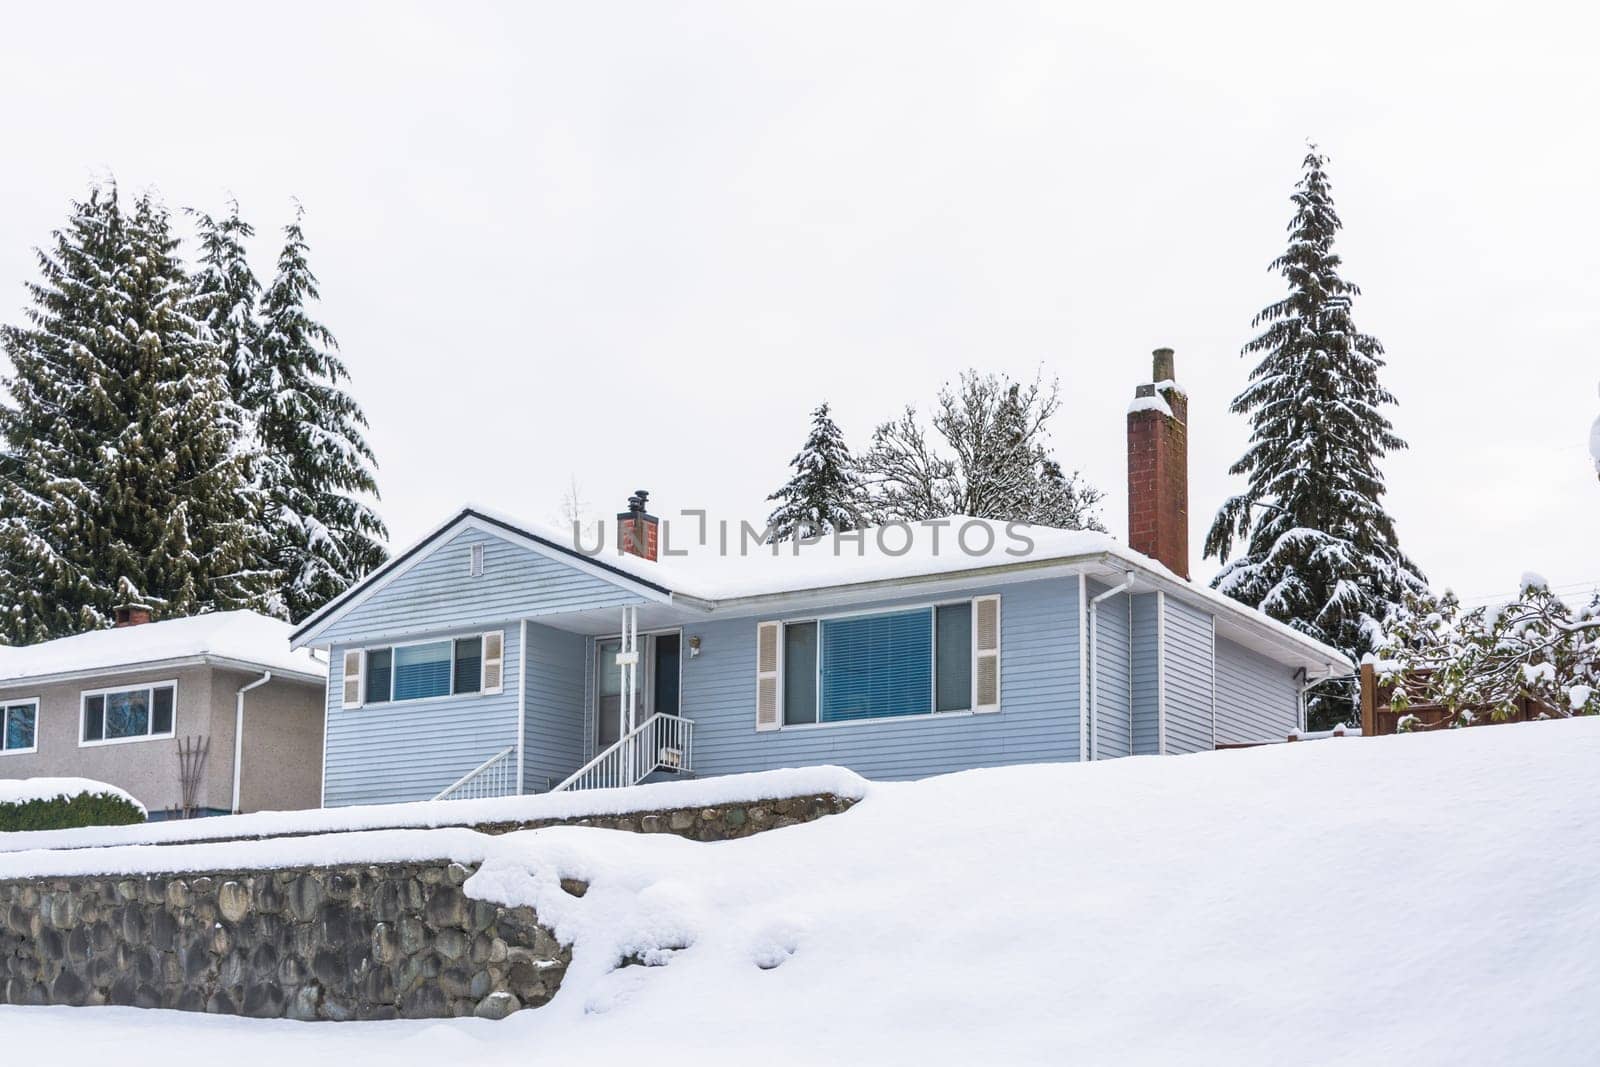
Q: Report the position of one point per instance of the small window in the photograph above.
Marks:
(475, 561)
(380, 664)
(19, 727)
(799, 673)
(953, 671)
(469, 664)
(128, 714)
(456, 667)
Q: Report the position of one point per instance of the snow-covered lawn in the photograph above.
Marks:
(1419, 899)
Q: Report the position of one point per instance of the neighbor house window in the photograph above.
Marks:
(423, 671)
(879, 666)
(132, 714)
(19, 726)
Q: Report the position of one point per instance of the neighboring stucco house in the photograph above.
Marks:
(115, 705)
(498, 657)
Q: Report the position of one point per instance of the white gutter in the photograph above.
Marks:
(1094, 664)
(238, 733)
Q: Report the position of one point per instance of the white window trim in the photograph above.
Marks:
(933, 711)
(366, 671)
(7, 705)
(83, 713)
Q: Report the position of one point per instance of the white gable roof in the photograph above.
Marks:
(236, 638)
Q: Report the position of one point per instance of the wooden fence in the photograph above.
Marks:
(1378, 717)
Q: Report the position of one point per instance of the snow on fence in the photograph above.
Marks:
(1379, 717)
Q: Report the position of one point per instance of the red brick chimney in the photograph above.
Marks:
(130, 615)
(638, 532)
(1158, 468)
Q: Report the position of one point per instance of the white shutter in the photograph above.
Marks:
(986, 654)
(352, 678)
(494, 657)
(769, 675)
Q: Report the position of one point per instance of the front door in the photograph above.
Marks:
(658, 683)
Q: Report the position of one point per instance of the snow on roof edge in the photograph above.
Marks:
(226, 638)
(659, 574)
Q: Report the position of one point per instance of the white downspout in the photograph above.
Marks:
(238, 734)
(1094, 663)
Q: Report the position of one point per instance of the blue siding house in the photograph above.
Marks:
(497, 657)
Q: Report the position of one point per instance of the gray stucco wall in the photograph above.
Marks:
(148, 769)
(282, 741)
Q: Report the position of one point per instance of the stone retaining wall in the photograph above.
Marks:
(722, 822)
(354, 942)
(359, 942)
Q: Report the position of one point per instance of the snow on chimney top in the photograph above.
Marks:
(1158, 467)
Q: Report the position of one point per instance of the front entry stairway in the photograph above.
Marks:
(661, 744)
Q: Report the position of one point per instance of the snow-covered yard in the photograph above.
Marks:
(1415, 899)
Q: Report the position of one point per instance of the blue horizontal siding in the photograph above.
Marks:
(437, 594)
(1188, 678)
(553, 734)
(396, 752)
(1146, 657)
(1113, 696)
(1037, 721)
(1257, 699)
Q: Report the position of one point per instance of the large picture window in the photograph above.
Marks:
(19, 727)
(135, 713)
(423, 671)
(878, 666)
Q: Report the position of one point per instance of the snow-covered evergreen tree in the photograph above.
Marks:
(826, 494)
(316, 465)
(123, 475)
(1317, 550)
(226, 293)
(991, 459)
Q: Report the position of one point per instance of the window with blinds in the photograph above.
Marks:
(879, 666)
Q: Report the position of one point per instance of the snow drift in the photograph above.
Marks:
(1414, 899)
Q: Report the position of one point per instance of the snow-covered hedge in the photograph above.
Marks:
(64, 803)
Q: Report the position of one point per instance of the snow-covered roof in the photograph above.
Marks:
(228, 638)
(724, 573)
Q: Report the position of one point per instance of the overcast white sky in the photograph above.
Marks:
(635, 244)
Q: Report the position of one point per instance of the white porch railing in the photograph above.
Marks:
(661, 742)
(494, 777)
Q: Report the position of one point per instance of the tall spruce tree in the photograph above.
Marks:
(826, 494)
(1319, 551)
(316, 465)
(123, 474)
(226, 293)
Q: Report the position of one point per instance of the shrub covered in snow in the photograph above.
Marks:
(1483, 661)
(65, 803)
